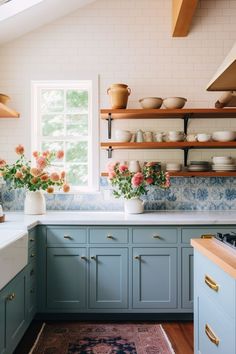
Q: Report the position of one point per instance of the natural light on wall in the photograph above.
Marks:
(62, 118)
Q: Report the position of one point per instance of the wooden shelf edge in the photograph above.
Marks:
(194, 174)
(7, 112)
(169, 145)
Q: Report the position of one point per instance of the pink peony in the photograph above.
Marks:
(149, 180)
(137, 179)
(60, 154)
(34, 180)
(20, 149)
(35, 154)
(123, 168)
(111, 175)
(24, 168)
(111, 166)
(2, 163)
(46, 153)
(44, 177)
(34, 171)
(50, 189)
(54, 177)
(63, 174)
(41, 162)
(19, 174)
(66, 188)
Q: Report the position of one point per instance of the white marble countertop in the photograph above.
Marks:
(18, 220)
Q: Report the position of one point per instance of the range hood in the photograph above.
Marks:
(225, 77)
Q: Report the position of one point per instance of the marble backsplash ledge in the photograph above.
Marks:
(214, 193)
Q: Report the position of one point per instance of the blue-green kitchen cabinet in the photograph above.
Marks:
(155, 278)
(66, 278)
(13, 320)
(108, 278)
(187, 277)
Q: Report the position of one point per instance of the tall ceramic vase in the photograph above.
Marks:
(34, 203)
(134, 206)
(119, 94)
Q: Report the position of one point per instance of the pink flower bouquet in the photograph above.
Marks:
(37, 176)
(129, 185)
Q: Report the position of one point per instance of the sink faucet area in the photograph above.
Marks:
(13, 254)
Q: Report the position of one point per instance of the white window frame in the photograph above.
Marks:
(93, 125)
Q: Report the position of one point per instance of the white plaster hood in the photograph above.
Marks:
(225, 77)
(18, 17)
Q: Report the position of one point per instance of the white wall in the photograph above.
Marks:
(122, 41)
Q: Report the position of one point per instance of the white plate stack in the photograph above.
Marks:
(223, 163)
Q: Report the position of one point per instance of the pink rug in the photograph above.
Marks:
(102, 338)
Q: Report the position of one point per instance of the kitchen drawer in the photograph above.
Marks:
(156, 235)
(108, 235)
(224, 297)
(32, 237)
(188, 233)
(219, 323)
(65, 235)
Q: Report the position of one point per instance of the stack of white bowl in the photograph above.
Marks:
(173, 166)
(223, 163)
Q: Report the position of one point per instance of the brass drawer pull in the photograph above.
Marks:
(68, 237)
(137, 257)
(11, 297)
(32, 255)
(211, 335)
(84, 258)
(31, 239)
(211, 283)
(110, 237)
(156, 236)
(206, 236)
(93, 257)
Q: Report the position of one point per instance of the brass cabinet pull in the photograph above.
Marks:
(11, 297)
(110, 237)
(211, 283)
(93, 257)
(156, 236)
(84, 258)
(32, 255)
(31, 240)
(32, 272)
(68, 237)
(211, 335)
(207, 236)
(136, 257)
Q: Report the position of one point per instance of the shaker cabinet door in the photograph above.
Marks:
(108, 278)
(66, 278)
(154, 278)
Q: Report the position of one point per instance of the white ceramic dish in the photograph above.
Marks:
(224, 135)
(222, 159)
(174, 102)
(202, 137)
(151, 102)
(122, 135)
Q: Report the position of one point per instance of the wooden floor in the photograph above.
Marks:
(180, 335)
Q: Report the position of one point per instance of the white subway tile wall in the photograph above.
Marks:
(123, 41)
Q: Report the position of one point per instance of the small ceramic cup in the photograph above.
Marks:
(147, 136)
(202, 137)
(159, 137)
(175, 135)
(191, 137)
(134, 166)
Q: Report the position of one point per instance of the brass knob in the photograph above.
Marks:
(84, 258)
(136, 257)
(110, 237)
(68, 237)
(156, 236)
(32, 255)
(31, 240)
(93, 257)
(11, 297)
(207, 236)
(32, 272)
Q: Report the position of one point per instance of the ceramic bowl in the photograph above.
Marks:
(174, 102)
(122, 135)
(4, 98)
(225, 135)
(172, 166)
(151, 102)
(222, 160)
(202, 137)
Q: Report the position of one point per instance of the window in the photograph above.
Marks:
(64, 118)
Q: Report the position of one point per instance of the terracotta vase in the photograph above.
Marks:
(119, 94)
(134, 206)
(34, 203)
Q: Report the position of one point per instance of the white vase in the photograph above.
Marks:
(134, 206)
(34, 203)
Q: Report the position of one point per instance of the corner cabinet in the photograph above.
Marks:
(185, 115)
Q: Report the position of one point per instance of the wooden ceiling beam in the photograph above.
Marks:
(182, 15)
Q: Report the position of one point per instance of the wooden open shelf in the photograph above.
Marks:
(168, 113)
(170, 145)
(6, 112)
(195, 174)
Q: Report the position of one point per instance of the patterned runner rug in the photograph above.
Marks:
(102, 338)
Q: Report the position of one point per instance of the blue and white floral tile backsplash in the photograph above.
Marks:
(214, 193)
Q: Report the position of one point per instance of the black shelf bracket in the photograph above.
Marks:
(186, 150)
(109, 152)
(186, 118)
(109, 120)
